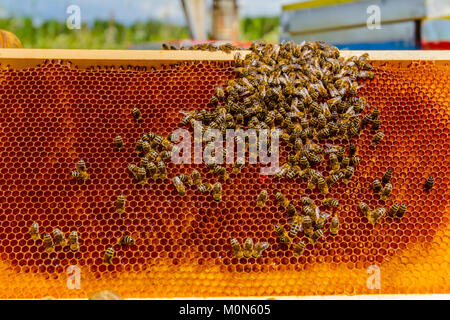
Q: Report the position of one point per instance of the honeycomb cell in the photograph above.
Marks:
(52, 115)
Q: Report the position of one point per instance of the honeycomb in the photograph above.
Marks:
(53, 114)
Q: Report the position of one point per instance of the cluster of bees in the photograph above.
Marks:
(249, 250)
(154, 150)
(226, 47)
(310, 220)
(384, 188)
(306, 90)
(309, 92)
(58, 239)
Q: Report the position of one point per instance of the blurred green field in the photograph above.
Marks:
(112, 35)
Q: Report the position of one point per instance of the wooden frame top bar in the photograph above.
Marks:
(18, 58)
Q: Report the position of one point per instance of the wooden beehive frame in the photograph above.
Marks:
(23, 58)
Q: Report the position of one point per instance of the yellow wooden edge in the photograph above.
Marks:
(314, 4)
(22, 58)
(437, 18)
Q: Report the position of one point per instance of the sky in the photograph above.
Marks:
(125, 11)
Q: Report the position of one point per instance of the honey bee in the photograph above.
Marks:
(281, 171)
(109, 254)
(60, 239)
(307, 226)
(291, 173)
(340, 155)
(377, 138)
(261, 199)
(217, 191)
(120, 203)
(73, 241)
(291, 211)
(401, 211)
(429, 183)
(320, 221)
(144, 162)
(348, 173)
(126, 240)
(34, 231)
(118, 141)
(164, 155)
(151, 155)
(157, 141)
(282, 235)
(282, 201)
(314, 175)
(81, 166)
(365, 121)
(354, 160)
(393, 209)
(238, 165)
(333, 178)
(139, 144)
(387, 176)
(376, 215)
(308, 202)
(352, 149)
(48, 242)
(248, 248)
(133, 169)
(167, 144)
(330, 202)
(299, 248)
(136, 113)
(365, 209)
(386, 191)
(345, 162)
(162, 171)
(141, 175)
(375, 124)
(323, 187)
(334, 163)
(187, 117)
(179, 186)
(316, 236)
(196, 177)
(152, 170)
(376, 185)
(187, 180)
(295, 228)
(309, 211)
(205, 187)
(222, 172)
(259, 248)
(236, 247)
(76, 175)
(334, 226)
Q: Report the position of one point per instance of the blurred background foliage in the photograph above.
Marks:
(113, 35)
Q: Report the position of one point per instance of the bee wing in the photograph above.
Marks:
(317, 211)
(350, 111)
(325, 215)
(262, 246)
